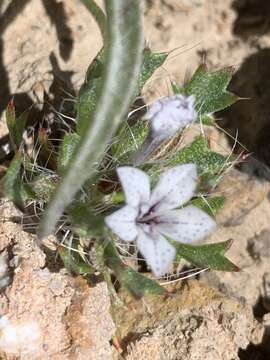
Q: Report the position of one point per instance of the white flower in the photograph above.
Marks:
(171, 114)
(149, 217)
(167, 116)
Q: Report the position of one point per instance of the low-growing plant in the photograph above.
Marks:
(115, 154)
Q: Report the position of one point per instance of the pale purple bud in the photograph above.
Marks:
(167, 116)
(171, 114)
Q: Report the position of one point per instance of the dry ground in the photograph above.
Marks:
(46, 45)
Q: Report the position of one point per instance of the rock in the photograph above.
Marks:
(243, 193)
(197, 323)
(89, 322)
(245, 219)
(50, 315)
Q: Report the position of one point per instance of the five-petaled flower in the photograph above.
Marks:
(148, 218)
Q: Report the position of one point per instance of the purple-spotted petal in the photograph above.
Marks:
(170, 115)
(175, 187)
(157, 251)
(186, 225)
(135, 184)
(122, 223)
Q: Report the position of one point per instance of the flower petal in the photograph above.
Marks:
(186, 225)
(122, 223)
(175, 187)
(157, 251)
(136, 185)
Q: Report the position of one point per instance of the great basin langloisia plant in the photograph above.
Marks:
(111, 156)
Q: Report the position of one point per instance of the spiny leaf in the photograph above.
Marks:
(86, 103)
(12, 181)
(207, 120)
(95, 69)
(73, 262)
(84, 222)
(128, 140)
(198, 152)
(210, 205)
(43, 186)
(210, 91)
(133, 281)
(151, 62)
(68, 145)
(16, 126)
(87, 99)
(206, 256)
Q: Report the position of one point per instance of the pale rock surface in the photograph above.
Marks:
(63, 317)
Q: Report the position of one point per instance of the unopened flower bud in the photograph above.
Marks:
(171, 114)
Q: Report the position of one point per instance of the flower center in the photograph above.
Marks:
(147, 216)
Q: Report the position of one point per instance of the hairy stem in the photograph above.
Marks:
(123, 52)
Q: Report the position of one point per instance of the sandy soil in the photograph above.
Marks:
(45, 48)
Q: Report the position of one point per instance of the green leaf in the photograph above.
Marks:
(88, 93)
(73, 262)
(19, 192)
(198, 152)
(206, 256)
(67, 148)
(124, 45)
(42, 187)
(151, 62)
(16, 126)
(95, 69)
(176, 88)
(86, 103)
(210, 205)
(13, 183)
(84, 222)
(207, 120)
(133, 281)
(128, 140)
(210, 91)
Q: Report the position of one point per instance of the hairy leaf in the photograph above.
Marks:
(86, 103)
(133, 281)
(73, 262)
(68, 146)
(84, 222)
(128, 140)
(151, 62)
(198, 152)
(210, 91)
(95, 69)
(13, 183)
(206, 256)
(42, 187)
(16, 125)
(210, 205)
